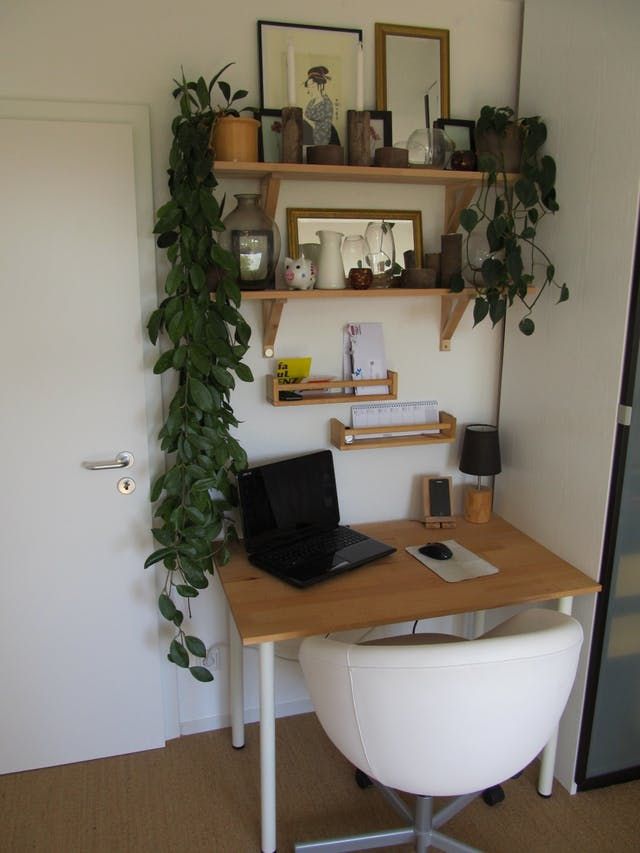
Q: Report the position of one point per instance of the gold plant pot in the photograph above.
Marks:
(235, 139)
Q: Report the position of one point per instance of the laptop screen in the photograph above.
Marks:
(285, 498)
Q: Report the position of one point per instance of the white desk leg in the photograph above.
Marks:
(236, 685)
(267, 748)
(548, 758)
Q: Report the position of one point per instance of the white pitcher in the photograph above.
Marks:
(330, 267)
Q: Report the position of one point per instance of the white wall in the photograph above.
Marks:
(130, 51)
(580, 70)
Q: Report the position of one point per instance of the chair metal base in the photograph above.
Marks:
(422, 829)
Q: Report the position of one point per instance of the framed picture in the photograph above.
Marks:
(380, 129)
(412, 75)
(319, 64)
(304, 223)
(269, 135)
(461, 132)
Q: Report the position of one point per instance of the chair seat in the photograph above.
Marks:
(436, 715)
(415, 640)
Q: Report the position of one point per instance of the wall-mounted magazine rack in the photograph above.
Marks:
(329, 391)
(367, 438)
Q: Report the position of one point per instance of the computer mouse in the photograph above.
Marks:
(436, 550)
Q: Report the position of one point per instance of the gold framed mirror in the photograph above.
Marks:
(304, 223)
(412, 76)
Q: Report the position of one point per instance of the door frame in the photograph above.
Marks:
(584, 781)
(136, 116)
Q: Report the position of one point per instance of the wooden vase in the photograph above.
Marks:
(235, 138)
(509, 145)
(325, 155)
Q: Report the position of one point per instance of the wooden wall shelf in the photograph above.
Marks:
(452, 307)
(459, 188)
(348, 438)
(310, 398)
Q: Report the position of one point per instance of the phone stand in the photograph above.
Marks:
(437, 513)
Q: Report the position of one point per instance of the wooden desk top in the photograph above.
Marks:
(398, 588)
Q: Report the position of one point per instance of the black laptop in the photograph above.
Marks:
(291, 520)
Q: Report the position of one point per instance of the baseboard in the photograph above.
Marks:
(251, 715)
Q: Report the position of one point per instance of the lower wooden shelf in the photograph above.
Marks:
(312, 391)
(367, 438)
(452, 307)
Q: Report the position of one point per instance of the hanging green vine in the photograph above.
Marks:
(510, 219)
(207, 338)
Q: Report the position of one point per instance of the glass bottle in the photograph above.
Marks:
(381, 256)
(254, 240)
(354, 252)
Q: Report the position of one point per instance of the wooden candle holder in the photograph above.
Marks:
(291, 134)
(359, 138)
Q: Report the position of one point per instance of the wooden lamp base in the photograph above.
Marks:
(477, 504)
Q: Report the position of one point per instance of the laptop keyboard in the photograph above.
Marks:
(316, 546)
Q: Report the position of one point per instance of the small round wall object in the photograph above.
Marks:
(126, 485)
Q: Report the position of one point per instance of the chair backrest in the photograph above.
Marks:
(447, 718)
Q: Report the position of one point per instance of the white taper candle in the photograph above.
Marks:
(291, 76)
(360, 78)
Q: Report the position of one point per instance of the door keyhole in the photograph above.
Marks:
(126, 485)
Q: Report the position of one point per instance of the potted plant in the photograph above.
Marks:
(505, 217)
(206, 338)
(233, 137)
(499, 135)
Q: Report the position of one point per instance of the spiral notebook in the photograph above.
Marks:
(394, 414)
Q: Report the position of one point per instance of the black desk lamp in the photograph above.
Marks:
(480, 456)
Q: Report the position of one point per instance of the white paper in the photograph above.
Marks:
(368, 360)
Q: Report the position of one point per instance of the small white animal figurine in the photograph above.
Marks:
(299, 274)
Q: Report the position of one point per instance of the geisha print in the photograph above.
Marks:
(318, 127)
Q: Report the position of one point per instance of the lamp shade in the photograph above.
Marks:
(480, 450)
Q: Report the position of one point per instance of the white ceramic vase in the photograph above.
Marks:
(330, 268)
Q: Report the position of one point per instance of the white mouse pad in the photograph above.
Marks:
(462, 566)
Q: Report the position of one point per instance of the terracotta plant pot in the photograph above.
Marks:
(235, 138)
(510, 145)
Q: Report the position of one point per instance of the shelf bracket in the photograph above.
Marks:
(270, 190)
(271, 314)
(452, 307)
(455, 200)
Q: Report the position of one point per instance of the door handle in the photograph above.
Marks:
(122, 460)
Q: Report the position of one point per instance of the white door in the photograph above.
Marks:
(79, 659)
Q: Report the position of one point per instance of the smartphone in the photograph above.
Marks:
(439, 499)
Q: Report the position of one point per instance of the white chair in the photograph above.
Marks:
(438, 719)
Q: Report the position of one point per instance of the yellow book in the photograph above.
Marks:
(293, 369)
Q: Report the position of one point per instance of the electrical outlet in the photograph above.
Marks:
(213, 659)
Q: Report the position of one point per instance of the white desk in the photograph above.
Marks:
(397, 588)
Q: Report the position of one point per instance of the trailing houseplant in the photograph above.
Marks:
(508, 214)
(206, 339)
